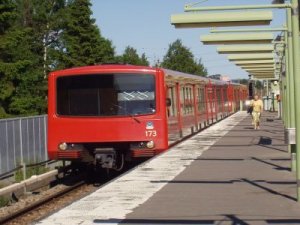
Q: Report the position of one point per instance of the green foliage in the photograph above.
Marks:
(4, 201)
(180, 58)
(130, 56)
(259, 85)
(82, 43)
(244, 81)
(30, 171)
(143, 60)
(38, 36)
(7, 14)
(11, 65)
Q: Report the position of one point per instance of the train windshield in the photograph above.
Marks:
(106, 95)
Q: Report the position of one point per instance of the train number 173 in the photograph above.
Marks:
(151, 133)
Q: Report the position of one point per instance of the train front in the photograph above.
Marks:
(106, 114)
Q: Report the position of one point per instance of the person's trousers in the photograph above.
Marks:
(256, 117)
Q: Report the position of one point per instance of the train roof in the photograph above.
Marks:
(180, 76)
(189, 77)
(106, 67)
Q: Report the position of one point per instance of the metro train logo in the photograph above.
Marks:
(149, 126)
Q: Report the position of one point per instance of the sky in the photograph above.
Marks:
(145, 26)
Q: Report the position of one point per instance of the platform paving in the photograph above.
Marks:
(228, 174)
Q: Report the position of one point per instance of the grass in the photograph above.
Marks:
(4, 201)
(30, 171)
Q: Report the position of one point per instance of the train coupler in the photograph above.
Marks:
(105, 157)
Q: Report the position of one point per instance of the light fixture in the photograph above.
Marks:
(63, 146)
(150, 144)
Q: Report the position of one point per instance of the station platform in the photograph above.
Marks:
(227, 174)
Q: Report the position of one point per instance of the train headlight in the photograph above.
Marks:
(150, 144)
(63, 146)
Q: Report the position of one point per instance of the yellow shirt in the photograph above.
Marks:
(257, 105)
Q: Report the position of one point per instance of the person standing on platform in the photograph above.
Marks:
(257, 105)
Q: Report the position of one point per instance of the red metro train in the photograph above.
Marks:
(108, 114)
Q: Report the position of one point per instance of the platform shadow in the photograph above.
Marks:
(229, 219)
(154, 221)
(255, 183)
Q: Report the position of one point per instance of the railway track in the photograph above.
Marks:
(36, 207)
(18, 216)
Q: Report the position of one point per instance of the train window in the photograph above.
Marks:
(172, 97)
(106, 95)
(186, 100)
(219, 99)
(182, 101)
(201, 100)
(186, 105)
(225, 94)
(191, 101)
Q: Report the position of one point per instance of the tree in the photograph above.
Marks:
(11, 65)
(200, 69)
(244, 81)
(7, 15)
(35, 28)
(180, 58)
(37, 36)
(259, 85)
(144, 61)
(81, 42)
(130, 56)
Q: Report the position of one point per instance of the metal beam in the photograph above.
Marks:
(194, 20)
(190, 8)
(253, 62)
(260, 70)
(239, 57)
(258, 66)
(229, 49)
(249, 30)
(242, 38)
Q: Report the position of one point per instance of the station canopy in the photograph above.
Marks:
(231, 49)
(221, 19)
(239, 38)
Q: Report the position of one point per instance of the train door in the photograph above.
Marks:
(187, 109)
(230, 97)
(219, 101)
(195, 104)
(209, 96)
(201, 104)
(174, 126)
(222, 100)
